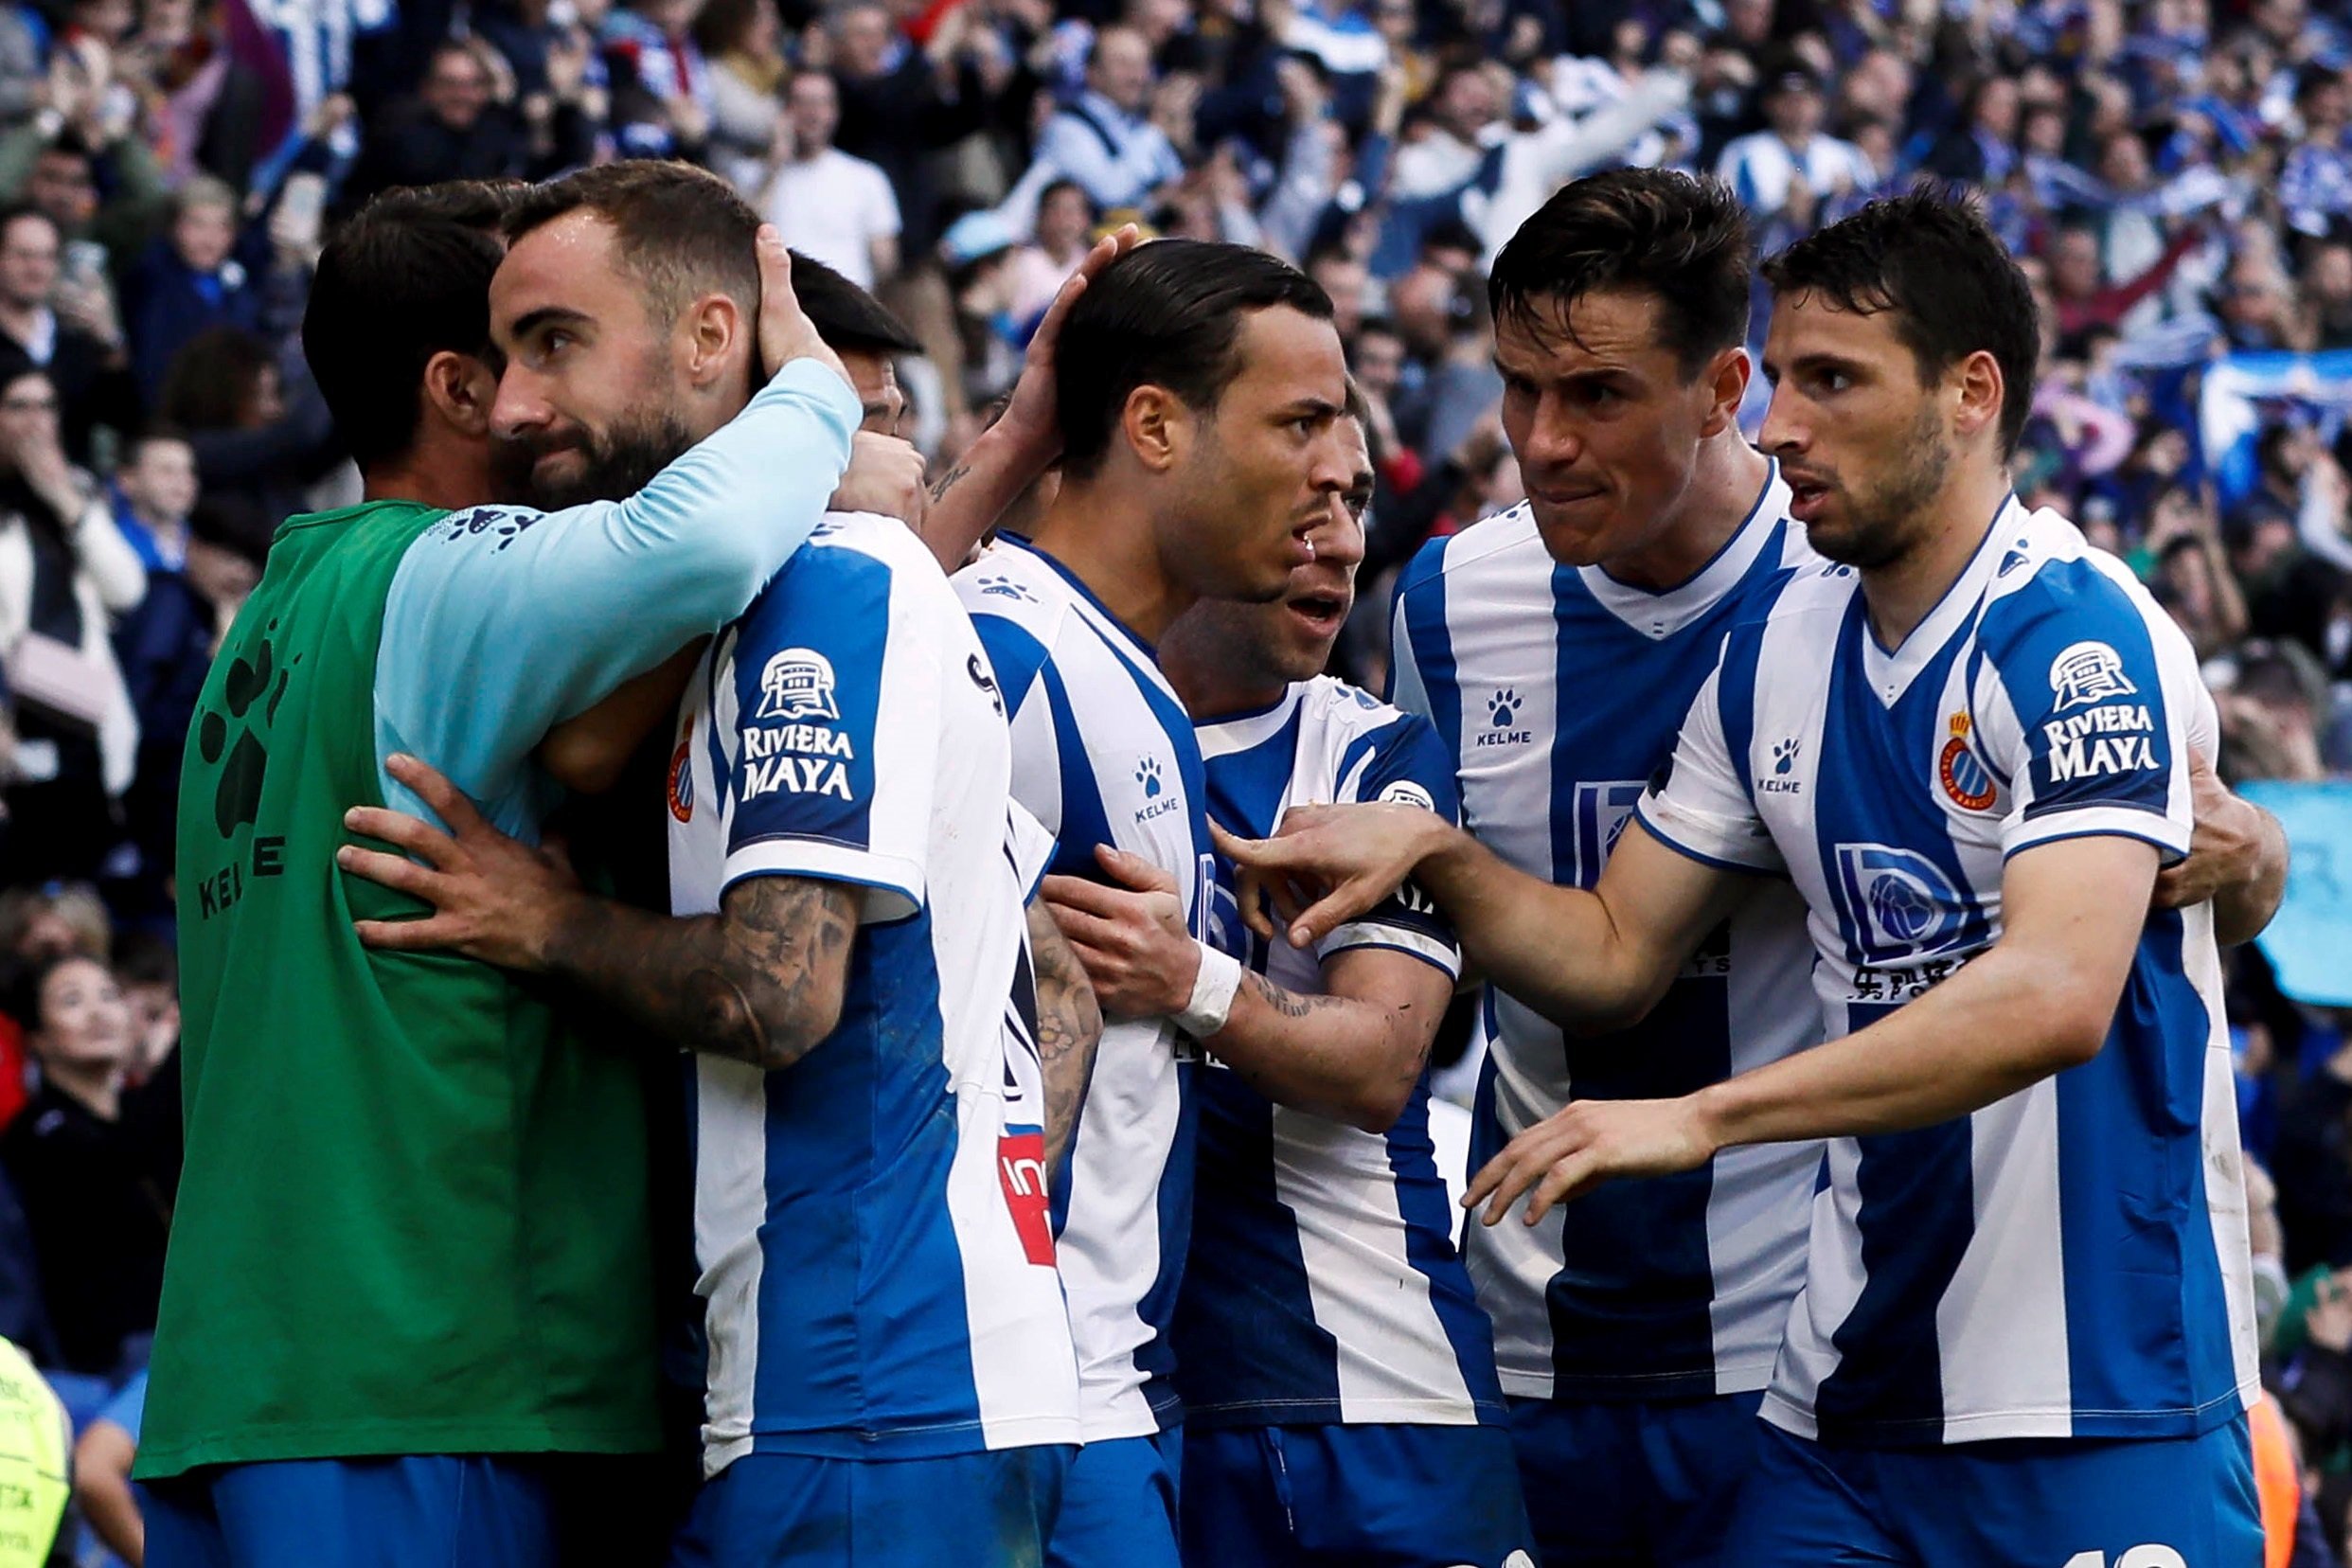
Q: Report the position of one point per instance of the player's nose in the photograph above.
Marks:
(520, 405)
(1785, 429)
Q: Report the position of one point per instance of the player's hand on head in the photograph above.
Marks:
(786, 333)
(1032, 419)
(885, 475)
(1139, 956)
(493, 897)
(1587, 1141)
(1327, 864)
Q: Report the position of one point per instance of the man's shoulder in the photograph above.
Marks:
(1011, 584)
(1505, 546)
(851, 559)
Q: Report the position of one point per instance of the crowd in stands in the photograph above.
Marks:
(2176, 175)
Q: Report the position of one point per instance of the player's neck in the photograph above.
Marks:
(1729, 476)
(431, 473)
(1901, 593)
(1106, 543)
(1210, 680)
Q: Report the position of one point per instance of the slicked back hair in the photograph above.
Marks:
(400, 281)
(846, 316)
(681, 231)
(1166, 314)
(1953, 287)
(1682, 240)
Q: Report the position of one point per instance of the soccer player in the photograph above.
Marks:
(409, 1258)
(1341, 1405)
(2025, 1333)
(891, 1376)
(1200, 389)
(1555, 648)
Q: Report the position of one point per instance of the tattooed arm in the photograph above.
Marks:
(1069, 1028)
(1352, 1053)
(759, 982)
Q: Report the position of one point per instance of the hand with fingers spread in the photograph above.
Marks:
(493, 897)
(1589, 1142)
(1131, 938)
(1327, 864)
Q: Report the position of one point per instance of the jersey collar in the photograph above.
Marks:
(1659, 614)
(1891, 674)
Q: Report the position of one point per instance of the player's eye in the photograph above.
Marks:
(554, 343)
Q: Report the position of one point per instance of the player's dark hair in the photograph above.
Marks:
(682, 231)
(1166, 314)
(396, 285)
(846, 316)
(1953, 290)
(1684, 241)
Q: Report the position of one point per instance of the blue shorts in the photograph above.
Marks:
(985, 1510)
(1119, 1507)
(2043, 1502)
(1339, 1496)
(1636, 1484)
(485, 1511)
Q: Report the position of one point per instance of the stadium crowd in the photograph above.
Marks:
(2175, 176)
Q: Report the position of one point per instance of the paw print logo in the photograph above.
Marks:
(238, 797)
(1784, 754)
(1147, 775)
(1502, 707)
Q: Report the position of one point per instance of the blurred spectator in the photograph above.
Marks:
(743, 39)
(458, 127)
(65, 571)
(1065, 227)
(82, 351)
(1107, 139)
(96, 1193)
(1787, 169)
(829, 204)
(188, 282)
(664, 98)
(261, 443)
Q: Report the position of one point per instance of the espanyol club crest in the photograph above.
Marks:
(682, 781)
(798, 684)
(1965, 782)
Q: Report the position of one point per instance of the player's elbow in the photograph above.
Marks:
(2068, 1015)
(799, 1019)
(1376, 1106)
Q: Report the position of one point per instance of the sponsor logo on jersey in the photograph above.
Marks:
(682, 781)
(977, 668)
(2088, 673)
(1779, 780)
(796, 760)
(1898, 902)
(1966, 781)
(1021, 1171)
(798, 684)
(1160, 795)
(1405, 792)
(2117, 739)
(1502, 718)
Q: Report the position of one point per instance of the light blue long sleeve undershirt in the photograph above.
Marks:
(502, 622)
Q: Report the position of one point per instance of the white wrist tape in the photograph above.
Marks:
(1212, 993)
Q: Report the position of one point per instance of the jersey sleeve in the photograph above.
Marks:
(839, 700)
(1022, 679)
(1702, 806)
(502, 622)
(1405, 764)
(1028, 847)
(2086, 712)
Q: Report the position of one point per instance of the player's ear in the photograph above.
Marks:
(1156, 424)
(1980, 392)
(714, 335)
(461, 389)
(1726, 377)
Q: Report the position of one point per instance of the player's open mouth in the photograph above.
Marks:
(1322, 612)
(1804, 498)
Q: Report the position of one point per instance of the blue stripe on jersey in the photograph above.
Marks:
(1607, 1317)
(1430, 1217)
(1014, 655)
(1431, 643)
(1917, 1211)
(830, 1234)
(2158, 1231)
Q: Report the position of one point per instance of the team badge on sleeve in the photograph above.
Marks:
(2087, 672)
(798, 684)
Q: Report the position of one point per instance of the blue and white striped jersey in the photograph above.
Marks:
(1323, 1285)
(871, 1223)
(1104, 754)
(1559, 690)
(2070, 1261)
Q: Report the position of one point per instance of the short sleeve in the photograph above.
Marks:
(838, 697)
(1702, 806)
(2083, 712)
(1405, 764)
(1028, 847)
